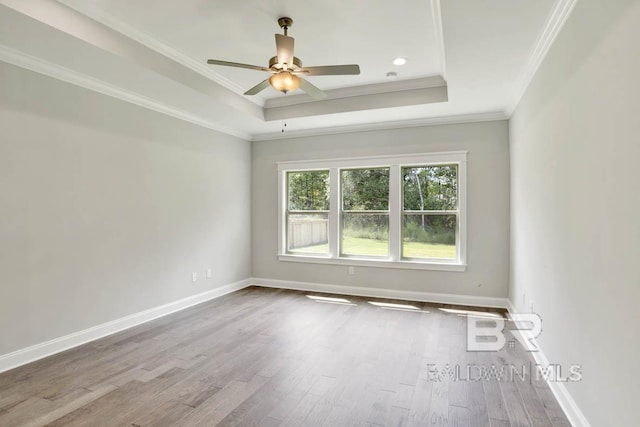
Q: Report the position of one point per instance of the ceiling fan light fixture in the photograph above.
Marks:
(284, 82)
(284, 68)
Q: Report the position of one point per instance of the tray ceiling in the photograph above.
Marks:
(466, 60)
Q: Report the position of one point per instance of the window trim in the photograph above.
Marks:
(396, 211)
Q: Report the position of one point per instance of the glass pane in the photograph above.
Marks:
(430, 187)
(308, 191)
(308, 233)
(429, 236)
(365, 189)
(365, 234)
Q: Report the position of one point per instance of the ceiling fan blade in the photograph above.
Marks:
(236, 64)
(330, 70)
(258, 88)
(311, 90)
(284, 47)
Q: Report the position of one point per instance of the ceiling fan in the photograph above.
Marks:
(286, 68)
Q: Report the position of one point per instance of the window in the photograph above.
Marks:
(430, 211)
(308, 212)
(365, 212)
(401, 211)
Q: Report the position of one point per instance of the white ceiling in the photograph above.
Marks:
(370, 33)
(154, 54)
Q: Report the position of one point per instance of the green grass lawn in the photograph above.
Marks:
(360, 246)
(428, 250)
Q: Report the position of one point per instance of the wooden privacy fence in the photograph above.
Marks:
(307, 232)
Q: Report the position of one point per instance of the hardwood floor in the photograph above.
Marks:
(264, 357)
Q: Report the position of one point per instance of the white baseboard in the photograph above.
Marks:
(511, 308)
(48, 348)
(559, 390)
(476, 301)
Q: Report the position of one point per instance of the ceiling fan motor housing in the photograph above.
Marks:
(273, 64)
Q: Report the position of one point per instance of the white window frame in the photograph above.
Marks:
(395, 163)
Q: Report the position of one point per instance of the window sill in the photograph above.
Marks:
(381, 263)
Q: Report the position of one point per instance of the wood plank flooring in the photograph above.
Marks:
(265, 357)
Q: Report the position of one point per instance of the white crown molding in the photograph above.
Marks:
(559, 390)
(470, 300)
(400, 124)
(366, 102)
(360, 90)
(154, 44)
(554, 24)
(59, 72)
(57, 345)
(436, 13)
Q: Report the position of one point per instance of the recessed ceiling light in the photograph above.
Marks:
(399, 61)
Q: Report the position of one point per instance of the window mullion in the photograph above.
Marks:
(282, 211)
(461, 235)
(395, 213)
(334, 212)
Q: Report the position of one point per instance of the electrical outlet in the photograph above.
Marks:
(208, 273)
(352, 270)
(194, 277)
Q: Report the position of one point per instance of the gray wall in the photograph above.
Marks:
(106, 209)
(488, 206)
(575, 147)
